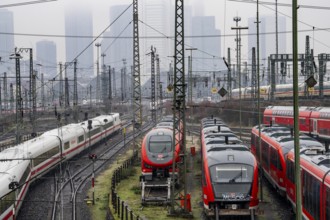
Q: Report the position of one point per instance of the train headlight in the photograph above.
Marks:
(281, 180)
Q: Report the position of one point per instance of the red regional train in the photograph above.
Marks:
(315, 177)
(277, 160)
(229, 176)
(314, 121)
(274, 150)
(157, 155)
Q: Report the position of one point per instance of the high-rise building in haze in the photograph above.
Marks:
(267, 37)
(118, 44)
(46, 57)
(207, 39)
(7, 46)
(79, 29)
(158, 22)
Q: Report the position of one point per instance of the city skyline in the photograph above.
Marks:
(223, 21)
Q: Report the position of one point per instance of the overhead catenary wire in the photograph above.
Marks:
(26, 3)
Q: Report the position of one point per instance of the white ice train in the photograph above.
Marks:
(22, 164)
(282, 91)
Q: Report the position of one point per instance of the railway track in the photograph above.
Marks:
(68, 190)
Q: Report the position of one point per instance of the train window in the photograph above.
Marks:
(7, 201)
(24, 177)
(290, 171)
(327, 211)
(66, 145)
(257, 149)
(45, 156)
(265, 154)
(80, 138)
(253, 142)
(302, 121)
(232, 173)
(274, 157)
(108, 125)
(95, 131)
(160, 144)
(311, 195)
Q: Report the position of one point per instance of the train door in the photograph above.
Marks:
(314, 129)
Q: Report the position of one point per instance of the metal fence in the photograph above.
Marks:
(120, 207)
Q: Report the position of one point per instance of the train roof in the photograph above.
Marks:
(219, 134)
(288, 108)
(13, 162)
(229, 157)
(210, 119)
(220, 140)
(222, 147)
(215, 129)
(211, 125)
(289, 144)
(160, 131)
(315, 155)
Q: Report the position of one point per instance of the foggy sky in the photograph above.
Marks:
(48, 18)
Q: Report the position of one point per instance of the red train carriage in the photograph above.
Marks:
(229, 174)
(274, 150)
(314, 121)
(315, 178)
(229, 183)
(157, 155)
(320, 123)
(283, 115)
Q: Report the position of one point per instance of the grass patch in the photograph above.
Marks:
(103, 187)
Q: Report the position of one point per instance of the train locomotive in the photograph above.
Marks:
(24, 163)
(157, 155)
(229, 176)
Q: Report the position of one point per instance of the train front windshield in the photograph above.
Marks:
(160, 144)
(231, 181)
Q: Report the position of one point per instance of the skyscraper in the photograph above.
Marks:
(267, 37)
(7, 46)
(46, 56)
(79, 32)
(158, 22)
(118, 44)
(207, 39)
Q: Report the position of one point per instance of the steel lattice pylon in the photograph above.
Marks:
(136, 68)
(153, 86)
(179, 104)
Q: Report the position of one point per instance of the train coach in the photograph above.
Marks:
(229, 175)
(22, 164)
(158, 151)
(315, 182)
(276, 142)
(314, 121)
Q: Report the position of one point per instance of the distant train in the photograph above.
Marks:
(158, 151)
(314, 121)
(283, 91)
(277, 161)
(229, 172)
(22, 164)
